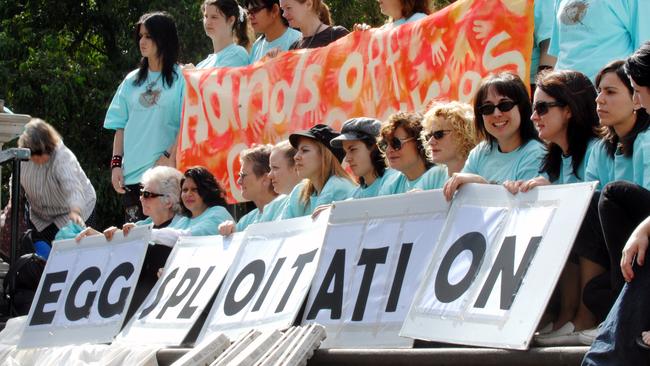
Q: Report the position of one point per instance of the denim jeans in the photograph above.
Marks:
(630, 315)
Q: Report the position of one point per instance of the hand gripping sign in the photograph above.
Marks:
(269, 278)
(496, 264)
(372, 263)
(194, 270)
(85, 290)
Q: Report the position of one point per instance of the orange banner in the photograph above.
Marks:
(367, 73)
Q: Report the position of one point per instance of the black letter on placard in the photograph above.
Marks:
(188, 310)
(106, 309)
(72, 312)
(159, 295)
(269, 282)
(474, 242)
(256, 268)
(505, 265)
(333, 300)
(400, 272)
(369, 258)
(47, 297)
(190, 277)
(299, 265)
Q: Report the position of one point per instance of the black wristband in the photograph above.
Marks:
(167, 154)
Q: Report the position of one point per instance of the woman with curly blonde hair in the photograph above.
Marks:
(448, 132)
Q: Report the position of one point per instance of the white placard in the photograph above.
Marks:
(269, 278)
(372, 263)
(496, 265)
(193, 272)
(85, 290)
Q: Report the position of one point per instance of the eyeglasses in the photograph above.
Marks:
(243, 175)
(505, 106)
(147, 194)
(255, 10)
(437, 135)
(394, 142)
(542, 107)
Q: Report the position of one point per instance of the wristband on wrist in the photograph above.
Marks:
(116, 161)
(167, 154)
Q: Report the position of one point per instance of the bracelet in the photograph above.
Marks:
(116, 161)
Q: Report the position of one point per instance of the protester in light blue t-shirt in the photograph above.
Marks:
(406, 153)
(544, 18)
(564, 113)
(319, 164)
(624, 153)
(588, 34)
(223, 20)
(359, 141)
(275, 35)
(255, 186)
(448, 130)
(284, 178)
(512, 150)
(146, 110)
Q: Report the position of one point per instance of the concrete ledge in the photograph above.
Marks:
(556, 356)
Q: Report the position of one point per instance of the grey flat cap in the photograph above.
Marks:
(357, 129)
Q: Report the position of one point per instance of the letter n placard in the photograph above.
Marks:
(496, 264)
(85, 290)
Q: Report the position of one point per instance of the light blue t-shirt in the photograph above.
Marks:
(250, 218)
(567, 175)
(376, 186)
(636, 168)
(412, 18)
(261, 46)
(335, 189)
(434, 178)
(587, 34)
(150, 118)
(496, 167)
(232, 55)
(543, 30)
(206, 223)
(274, 209)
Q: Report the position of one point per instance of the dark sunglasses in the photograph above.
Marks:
(147, 194)
(393, 142)
(505, 106)
(437, 135)
(255, 10)
(542, 107)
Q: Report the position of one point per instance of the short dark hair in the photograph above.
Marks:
(268, 5)
(508, 85)
(637, 66)
(207, 186)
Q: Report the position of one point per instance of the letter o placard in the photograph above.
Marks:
(474, 242)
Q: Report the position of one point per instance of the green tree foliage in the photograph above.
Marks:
(63, 60)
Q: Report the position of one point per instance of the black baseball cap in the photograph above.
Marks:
(321, 133)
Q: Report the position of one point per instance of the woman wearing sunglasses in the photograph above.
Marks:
(511, 150)
(255, 186)
(448, 130)
(359, 141)
(224, 21)
(276, 35)
(406, 152)
(319, 164)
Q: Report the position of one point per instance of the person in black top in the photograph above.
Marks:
(312, 18)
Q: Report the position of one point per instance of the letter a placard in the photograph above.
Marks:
(85, 290)
(193, 272)
(372, 263)
(269, 278)
(496, 264)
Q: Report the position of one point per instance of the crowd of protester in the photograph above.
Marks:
(586, 120)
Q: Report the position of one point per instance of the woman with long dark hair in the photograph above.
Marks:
(146, 110)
